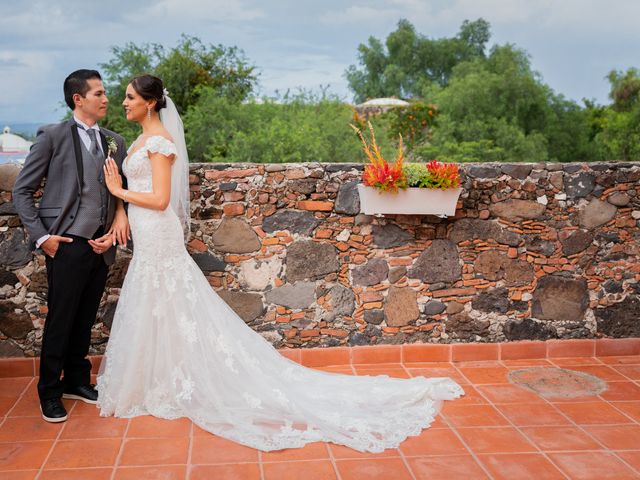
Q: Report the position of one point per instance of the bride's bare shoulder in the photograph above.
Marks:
(162, 132)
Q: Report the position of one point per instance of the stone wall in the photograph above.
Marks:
(536, 251)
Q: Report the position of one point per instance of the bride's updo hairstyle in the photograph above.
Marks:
(150, 88)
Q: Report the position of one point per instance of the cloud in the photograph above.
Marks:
(587, 17)
(204, 10)
(307, 71)
(573, 43)
(11, 62)
(27, 92)
(360, 14)
(38, 17)
(61, 25)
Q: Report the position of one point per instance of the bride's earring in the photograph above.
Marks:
(148, 113)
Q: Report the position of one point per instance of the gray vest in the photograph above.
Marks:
(92, 212)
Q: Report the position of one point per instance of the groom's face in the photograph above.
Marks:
(94, 104)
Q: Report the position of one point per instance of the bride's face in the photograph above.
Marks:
(135, 107)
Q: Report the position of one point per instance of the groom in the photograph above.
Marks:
(76, 224)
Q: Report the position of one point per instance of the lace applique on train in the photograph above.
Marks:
(178, 350)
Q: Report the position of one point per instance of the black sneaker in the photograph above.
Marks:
(84, 393)
(52, 410)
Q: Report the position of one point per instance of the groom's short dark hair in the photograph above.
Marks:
(76, 82)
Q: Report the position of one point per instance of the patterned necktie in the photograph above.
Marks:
(93, 148)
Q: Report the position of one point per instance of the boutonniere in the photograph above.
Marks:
(112, 146)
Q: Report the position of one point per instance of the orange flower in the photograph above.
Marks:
(378, 173)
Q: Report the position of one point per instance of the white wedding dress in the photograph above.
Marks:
(177, 350)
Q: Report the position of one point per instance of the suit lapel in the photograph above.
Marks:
(105, 150)
(103, 140)
(77, 151)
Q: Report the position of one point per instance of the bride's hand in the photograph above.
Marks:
(112, 177)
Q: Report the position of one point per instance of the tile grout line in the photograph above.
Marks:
(450, 353)
(406, 370)
(575, 424)
(533, 444)
(454, 429)
(629, 379)
(491, 403)
(121, 449)
(5, 417)
(489, 427)
(55, 441)
(20, 397)
(612, 404)
(469, 449)
(622, 411)
(612, 401)
(260, 465)
(586, 432)
(333, 461)
(406, 463)
(189, 451)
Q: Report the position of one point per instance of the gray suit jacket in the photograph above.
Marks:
(56, 155)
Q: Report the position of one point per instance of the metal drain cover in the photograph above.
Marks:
(557, 382)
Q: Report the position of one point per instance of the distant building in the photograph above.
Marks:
(13, 148)
(376, 106)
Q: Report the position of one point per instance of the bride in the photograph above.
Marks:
(178, 350)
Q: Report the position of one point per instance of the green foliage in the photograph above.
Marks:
(411, 62)
(192, 64)
(467, 104)
(417, 174)
(459, 152)
(301, 127)
(625, 89)
(184, 69)
(498, 109)
(491, 107)
(615, 130)
(567, 130)
(413, 122)
(434, 174)
(620, 137)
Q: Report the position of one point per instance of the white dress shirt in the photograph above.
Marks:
(84, 136)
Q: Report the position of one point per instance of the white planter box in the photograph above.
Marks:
(412, 201)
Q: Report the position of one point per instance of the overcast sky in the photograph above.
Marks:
(301, 43)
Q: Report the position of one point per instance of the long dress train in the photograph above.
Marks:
(178, 350)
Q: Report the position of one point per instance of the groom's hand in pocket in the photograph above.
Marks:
(50, 245)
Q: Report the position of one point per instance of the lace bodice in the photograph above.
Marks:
(137, 167)
(148, 225)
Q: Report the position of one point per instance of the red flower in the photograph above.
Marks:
(444, 175)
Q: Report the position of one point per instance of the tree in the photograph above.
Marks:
(192, 64)
(618, 127)
(412, 61)
(625, 89)
(498, 108)
(300, 127)
(498, 102)
(184, 69)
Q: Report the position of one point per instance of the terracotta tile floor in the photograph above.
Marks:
(497, 431)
